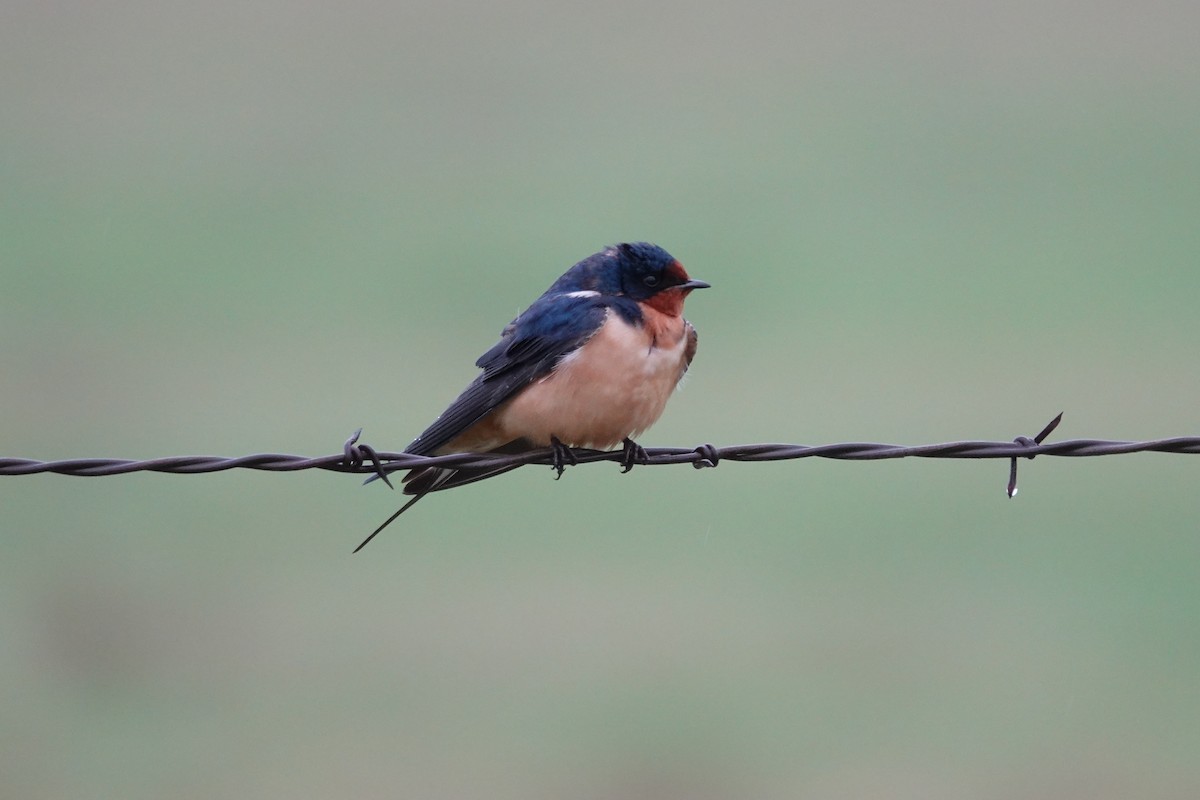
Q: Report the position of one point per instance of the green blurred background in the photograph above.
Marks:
(231, 228)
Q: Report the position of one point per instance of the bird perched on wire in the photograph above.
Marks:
(590, 364)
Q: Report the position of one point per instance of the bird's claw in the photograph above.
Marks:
(632, 453)
(562, 456)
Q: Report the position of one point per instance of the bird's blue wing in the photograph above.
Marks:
(529, 348)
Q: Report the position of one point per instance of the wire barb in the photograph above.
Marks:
(355, 455)
(1025, 441)
(709, 456)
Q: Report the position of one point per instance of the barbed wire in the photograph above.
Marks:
(363, 459)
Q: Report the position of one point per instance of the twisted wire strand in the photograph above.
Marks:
(362, 459)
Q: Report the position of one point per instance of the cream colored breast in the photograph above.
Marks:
(615, 386)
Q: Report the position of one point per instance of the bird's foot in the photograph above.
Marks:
(632, 453)
(562, 456)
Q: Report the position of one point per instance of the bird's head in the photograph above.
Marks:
(648, 274)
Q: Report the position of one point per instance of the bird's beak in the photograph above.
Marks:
(694, 285)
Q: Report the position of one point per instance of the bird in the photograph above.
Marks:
(591, 364)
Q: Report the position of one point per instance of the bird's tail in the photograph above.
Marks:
(423, 480)
(388, 521)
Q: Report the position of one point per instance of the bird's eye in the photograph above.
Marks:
(650, 280)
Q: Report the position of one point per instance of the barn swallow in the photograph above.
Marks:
(590, 364)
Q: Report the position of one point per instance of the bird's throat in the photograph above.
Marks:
(668, 301)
